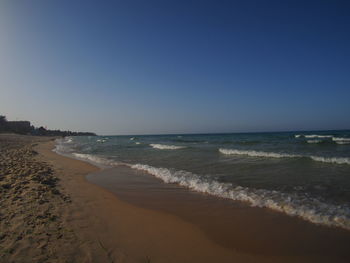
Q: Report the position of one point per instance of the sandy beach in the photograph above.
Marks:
(72, 220)
(174, 131)
(51, 213)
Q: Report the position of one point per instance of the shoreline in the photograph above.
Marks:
(130, 233)
(95, 224)
(315, 192)
(250, 230)
(231, 224)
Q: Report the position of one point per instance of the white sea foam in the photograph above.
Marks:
(298, 205)
(336, 139)
(314, 141)
(100, 161)
(257, 153)
(137, 143)
(132, 138)
(312, 136)
(336, 160)
(63, 146)
(167, 147)
(318, 136)
(340, 140)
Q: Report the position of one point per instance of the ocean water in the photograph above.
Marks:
(302, 174)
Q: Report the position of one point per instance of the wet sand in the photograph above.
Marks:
(233, 225)
(111, 230)
(51, 213)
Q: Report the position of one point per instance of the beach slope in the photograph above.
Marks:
(50, 213)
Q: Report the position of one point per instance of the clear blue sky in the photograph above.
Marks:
(140, 67)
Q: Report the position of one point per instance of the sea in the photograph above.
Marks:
(301, 174)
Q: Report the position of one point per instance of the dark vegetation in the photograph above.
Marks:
(24, 127)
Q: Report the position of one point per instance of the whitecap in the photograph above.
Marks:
(339, 140)
(314, 141)
(257, 153)
(318, 136)
(167, 147)
(335, 160)
(312, 136)
(342, 142)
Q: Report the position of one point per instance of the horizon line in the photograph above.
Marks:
(218, 133)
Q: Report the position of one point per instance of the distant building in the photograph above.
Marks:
(22, 127)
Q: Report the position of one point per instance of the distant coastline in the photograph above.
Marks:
(25, 128)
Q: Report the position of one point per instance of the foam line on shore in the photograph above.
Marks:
(309, 209)
(292, 204)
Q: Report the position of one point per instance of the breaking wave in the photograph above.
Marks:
(312, 136)
(309, 209)
(95, 159)
(167, 147)
(62, 149)
(257, 153)
(336, 160)
(63, 146)
(337, 140)
(340, 140)
(293, 204)
(318, 136)
(314, 141)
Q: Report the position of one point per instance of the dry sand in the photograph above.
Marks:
(50, 213)
(31, 226)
